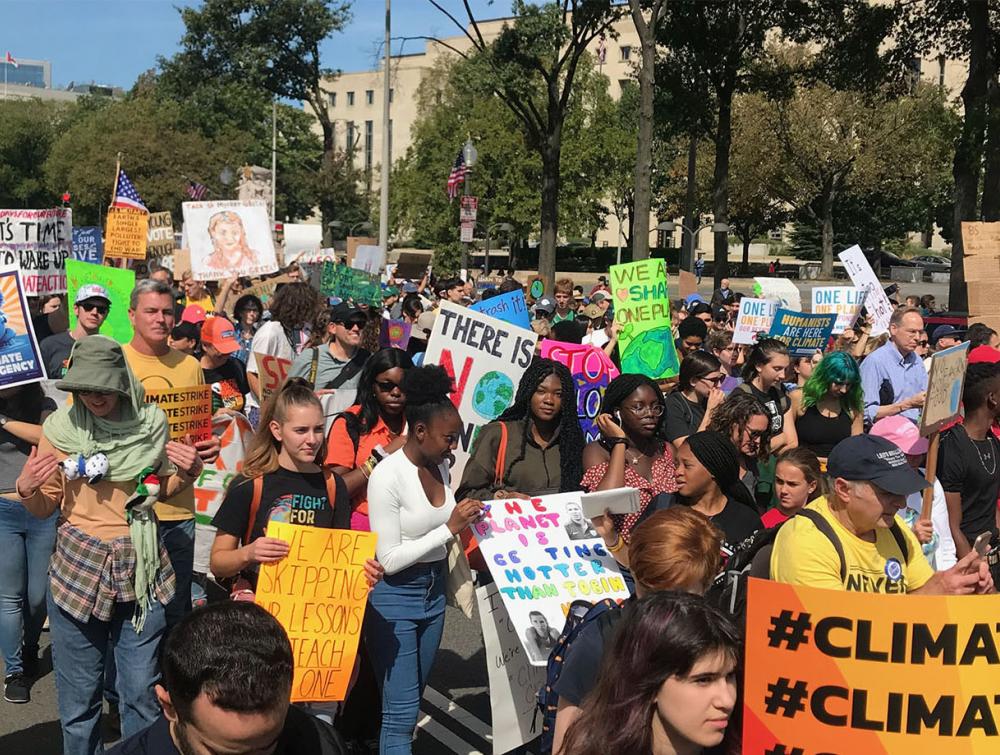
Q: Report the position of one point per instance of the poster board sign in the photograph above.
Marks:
(302, 242)
(981, 260)
(485, 358)
(510, 307)
(804, 333)
(369, 258)
(861, 274)
(592, 370)
(188, 410)
(38, 243)
(642, 306)
(346, 282)
(125, 233)
(265, 289)
(20, 358)
(411, 265)
(394, 334)
(119, 283)
(271, 371)
(513, 682)
(353, 242)
(755, 316)
(687, 284)
(318, 593)
(852, 672)
(844, 301)
(945, 382)
(160, 235)
(544, 554)
(88, 245)
(229, 239)
(780, 290)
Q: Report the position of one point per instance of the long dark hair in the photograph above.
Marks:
(694, 366)
(663, 635)
(379, 362)
(570, 433)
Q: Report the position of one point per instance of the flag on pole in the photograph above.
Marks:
(126, 195)
(196, 191)
(9, 60)
(457, 176)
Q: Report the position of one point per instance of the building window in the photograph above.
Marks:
(349, 147)
(369, 96)
(941, 60)
(369, 133)
(626, 53)
(350, 99)
(391, 91)
(333, 99)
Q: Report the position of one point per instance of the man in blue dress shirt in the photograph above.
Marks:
(893, 377)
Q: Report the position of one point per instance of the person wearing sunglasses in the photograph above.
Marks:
(91, 306)
(745, 421)
(337, 363)
(830, 405)
(698, 393)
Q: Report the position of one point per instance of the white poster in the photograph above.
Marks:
(302, 241)
(514, 683)
(844, 301)
(862, 276)
(544, 554)
(370, 258)
(781, 290)
(229, 239)
(755, 317)
(485, 358)
(38, 243)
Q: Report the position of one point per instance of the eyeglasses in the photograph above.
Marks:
(87, 306)
(387, 386)
(641, 411)
(713, 379)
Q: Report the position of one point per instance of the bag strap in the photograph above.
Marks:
(501, 457)
(904, 547)
(258, 491)
(314, 366)
(352, 368)
(824, 526)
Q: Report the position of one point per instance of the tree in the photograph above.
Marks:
(28, 128)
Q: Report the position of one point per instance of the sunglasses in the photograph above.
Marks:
(352, 324)
(387, 386)
(716, 380)
(101, 309)
(922, 343)
(756, 434)
(94, 393)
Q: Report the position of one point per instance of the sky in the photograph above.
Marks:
(113, 41)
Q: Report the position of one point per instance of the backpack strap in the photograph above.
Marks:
(824, 526)
(501, 457)
(331, 487)
(314, 366)
(258, 491)
(897, 533)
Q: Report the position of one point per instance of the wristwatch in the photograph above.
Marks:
(4, 419)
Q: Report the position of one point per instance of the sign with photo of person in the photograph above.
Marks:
(229, 239)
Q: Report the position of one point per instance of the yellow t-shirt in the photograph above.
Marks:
(206, 302)
(173, 370)
(803, 555)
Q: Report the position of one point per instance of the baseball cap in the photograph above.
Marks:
(390, 291)
(903, 433)
(592, 311)
(720, 313)
(345, 311)
(221, 334)
(409, 288)
(92, 291)
(193, 314)
(545, 304)
(875, 460)
(944, 331)
(599, 296)
(425, 324)
(693, 299)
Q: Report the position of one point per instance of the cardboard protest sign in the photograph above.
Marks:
(780, 290)
(981, 260)
(125, 233)
(687, 284)
(853, 672)
(160, 235)
(88, 246)
(369, 257)
(228, 239)
(353, 242)
(188, 410)
(755, 316)
(861, 274)
(646, 342)
(544, 554)
(844, 301)
(485, 357)
(38, 243)
(265, 289)
(592, 370)
(318, 593)
(302, 242)
(394, 334)
(345, 282)
(943, 404)
(805, 334)
(513, 681)
(271, 371)
(510, 307)
(119, 284)
(20, 359)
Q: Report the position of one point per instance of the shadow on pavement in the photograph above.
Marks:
(39, 739)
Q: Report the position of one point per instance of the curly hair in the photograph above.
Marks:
(295, 305)
(571, 440)
(736, 411)
(836, 367)
(624, 386)
(427, 390)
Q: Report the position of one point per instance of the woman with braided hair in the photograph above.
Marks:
(535, 447)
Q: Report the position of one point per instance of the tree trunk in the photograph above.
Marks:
(644, 152)
(826, 268)
(550, 212)
(690, 209)
(720, 182)
(745, 264)
(991, 179)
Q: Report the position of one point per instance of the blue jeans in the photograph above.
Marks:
(26, 544)
(79, 651)
(404, 627)
(178, 539)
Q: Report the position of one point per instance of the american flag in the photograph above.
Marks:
(196, 190)
(126, 195)
(457, 176)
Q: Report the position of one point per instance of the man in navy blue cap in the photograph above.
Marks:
(852, 539)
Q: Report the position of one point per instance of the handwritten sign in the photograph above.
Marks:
(485, 358)
(646, 342)
(160, 235)
(369, 258)
(687, 284)
(780, 290)
(805, 334)
(38, 242)
(946, 379)
(544, 554)
(188, 410)
(229, 238)
(346, 282)
(510, 307)
(394, 334)
(119, 284)
(981, 245)
(318, 593)
(125, 233)
(844, 301)
(862, 276)
(755, 316)
(88, 246)
(592, 370)
(271, 371)
(20, 361)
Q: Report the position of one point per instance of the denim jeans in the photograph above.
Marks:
(178, 539)
(26, 544)
(79, 651)
(404, 626)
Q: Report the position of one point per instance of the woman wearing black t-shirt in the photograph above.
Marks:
(762, 376)
(690, 407)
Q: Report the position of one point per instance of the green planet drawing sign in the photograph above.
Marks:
(646, 343)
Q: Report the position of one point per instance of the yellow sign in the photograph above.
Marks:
(188, 410)
(318, 593)
(848, 672)
(125, 235)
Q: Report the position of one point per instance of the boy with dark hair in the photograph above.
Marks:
(691, 334)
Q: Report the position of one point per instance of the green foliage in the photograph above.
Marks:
(447, 259)
(27, 131)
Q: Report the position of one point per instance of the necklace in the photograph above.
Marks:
(633, 460)
(989, 455)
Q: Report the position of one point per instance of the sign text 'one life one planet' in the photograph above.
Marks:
(38, 242)
(642, 306)
(755, 317)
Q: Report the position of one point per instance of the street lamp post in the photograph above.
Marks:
(503, 228)
(687, 251)
(337, 225)
(470, 155)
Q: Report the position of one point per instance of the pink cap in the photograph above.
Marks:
(193, 314)
(903, 433)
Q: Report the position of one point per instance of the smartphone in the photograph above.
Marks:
(617, 417)
(982, 544)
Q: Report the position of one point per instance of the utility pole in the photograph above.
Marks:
(274, 161)
(383, 214)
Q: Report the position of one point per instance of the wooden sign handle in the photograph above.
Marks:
(931, 474)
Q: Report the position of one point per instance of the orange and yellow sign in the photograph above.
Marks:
(845, 672)
(318, 593)
(188, 410)
(126, 233)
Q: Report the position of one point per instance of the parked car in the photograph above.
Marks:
(933, 263)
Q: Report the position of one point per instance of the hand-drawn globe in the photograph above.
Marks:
(493, 393)
(652, 353)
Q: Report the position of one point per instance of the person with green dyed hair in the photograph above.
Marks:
(830, 406)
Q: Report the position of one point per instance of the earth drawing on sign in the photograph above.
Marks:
(650, 353)
(493, 393)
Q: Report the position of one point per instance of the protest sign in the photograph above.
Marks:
(119, 284)
(981, 261)
(369, 258)
(853, 672)
(755, 316)
(38, 243)
(125, 233)
(780, 290)
(485, 357)
(228, 239)
(805, 334)
(318, 593)
(303, 242)
(88, 246)
(861, 274)
(394, 334)
(646, 342)
(20, 360)
(844, 301)
(943, 402)
(265, 289)
(271, 371)
(687, 284)
(345, 282)
(513, 681)
(160, 235)
(592, 370)
(188, 410)
(510, 307)
(353, 242)
(544, 554)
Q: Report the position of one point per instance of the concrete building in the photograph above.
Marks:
(32, 79)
